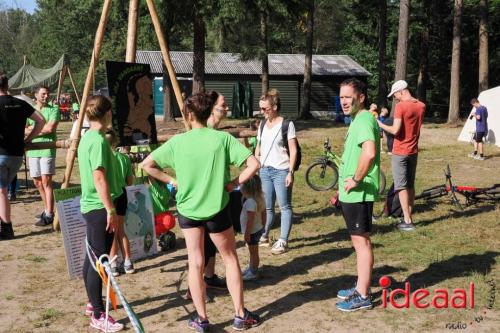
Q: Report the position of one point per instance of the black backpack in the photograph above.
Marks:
(284, 135)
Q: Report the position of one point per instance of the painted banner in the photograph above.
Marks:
(130, 87)
(139, 225)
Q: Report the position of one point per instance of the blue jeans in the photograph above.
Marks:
(274, 185)
(9, 166)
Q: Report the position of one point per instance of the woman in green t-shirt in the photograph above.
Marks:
(200, 158)
(100, 186)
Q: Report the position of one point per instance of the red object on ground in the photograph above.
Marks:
(164, 222)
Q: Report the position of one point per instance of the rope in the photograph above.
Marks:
(103, 268)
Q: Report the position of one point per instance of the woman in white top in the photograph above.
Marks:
(277, 168)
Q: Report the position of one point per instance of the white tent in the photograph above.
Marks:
(491, 99)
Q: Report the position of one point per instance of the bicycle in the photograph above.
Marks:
(471, 194)
(323, 174)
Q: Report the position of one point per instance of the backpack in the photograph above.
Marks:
(284, 135)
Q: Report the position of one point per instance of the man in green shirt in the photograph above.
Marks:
(42, 162)
(358, 187)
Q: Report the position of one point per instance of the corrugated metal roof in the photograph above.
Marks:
(279, 64)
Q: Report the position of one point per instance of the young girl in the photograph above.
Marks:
(253, 220)
(121, 240)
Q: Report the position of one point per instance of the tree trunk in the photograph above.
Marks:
(306, 96)
(198, 52)
(132, 31)
(454, 110)
(483, 45)
(168, 108)
(402, 50)
(382, 70)
(265, 52)
(423, 74)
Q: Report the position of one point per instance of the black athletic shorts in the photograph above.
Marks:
(358, 217)
(478, 136)
(218, 223)
(121, 204)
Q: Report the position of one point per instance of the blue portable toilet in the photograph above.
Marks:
(158, 96)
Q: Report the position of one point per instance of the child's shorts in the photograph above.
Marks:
(255, 237)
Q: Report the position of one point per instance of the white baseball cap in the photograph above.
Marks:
(397, 86)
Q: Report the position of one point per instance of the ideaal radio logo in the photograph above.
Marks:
(440, 298)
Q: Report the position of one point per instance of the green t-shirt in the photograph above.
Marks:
(363, 128)
(201, 159)
(252, 141)
(94, 152)
(51, 114)
(124, 168)
(75, 107)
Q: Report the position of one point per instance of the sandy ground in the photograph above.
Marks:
(296, 292)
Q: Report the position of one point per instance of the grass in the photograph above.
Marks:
(449, 249)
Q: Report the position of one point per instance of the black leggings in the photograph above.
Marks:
(100, 241)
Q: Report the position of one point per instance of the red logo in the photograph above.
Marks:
(423, 298)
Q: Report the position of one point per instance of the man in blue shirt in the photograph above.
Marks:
(481, 115)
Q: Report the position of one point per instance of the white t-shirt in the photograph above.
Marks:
(250, 205)
(272, 151)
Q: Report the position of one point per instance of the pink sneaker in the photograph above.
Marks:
(89, 309)
(100, 324)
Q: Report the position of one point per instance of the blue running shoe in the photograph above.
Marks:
(354, 303)
(345, 293)
(195, 323)
(249, 320)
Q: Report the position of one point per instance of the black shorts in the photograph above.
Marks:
(478, 136)
(358, 217)
(121, 204)
(218, 223)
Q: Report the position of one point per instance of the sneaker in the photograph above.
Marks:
(279, 247)
(403, 226)
(6, 231)
(11, 196)
(215, 282)
(479, 158)
(129, 269)
(249, 320)
(264, 241)
(472, 155)
(105, 326)
(115, 271)
(44, 220)
(248, 275)
(354, 303)
(346, 293)
(89, 309)
(195, 323)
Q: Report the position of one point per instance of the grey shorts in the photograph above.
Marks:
(42, 166)
(404, 168)
(9, 166)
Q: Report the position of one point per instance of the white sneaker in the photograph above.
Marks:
(100, 324)
(479, 158)
(471, 155)
(279, 247)
(264, 241)
(249, 276)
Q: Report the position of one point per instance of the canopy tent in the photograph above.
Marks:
(491, 99)
(29, 76)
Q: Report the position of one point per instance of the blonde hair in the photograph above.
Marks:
(273, 97)
(253, 189)
(97, 107)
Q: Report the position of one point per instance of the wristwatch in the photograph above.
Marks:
(111, 211)
(354, 180)
(291, 172)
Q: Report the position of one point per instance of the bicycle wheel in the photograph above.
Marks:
(382, 183)
(322, 176)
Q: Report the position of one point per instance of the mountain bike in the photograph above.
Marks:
(323, 174)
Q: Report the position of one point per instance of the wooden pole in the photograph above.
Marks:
(166, 58)
(133, 13)
(70, 158)
(62, 75)
(74, 86)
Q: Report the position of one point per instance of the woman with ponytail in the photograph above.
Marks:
(100, 187)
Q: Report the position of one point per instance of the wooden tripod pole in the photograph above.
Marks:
(74, 86)
(70, 158)
(62, 75)
(166, 58)
(133, 13)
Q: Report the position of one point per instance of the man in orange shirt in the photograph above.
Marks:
(408, 118)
